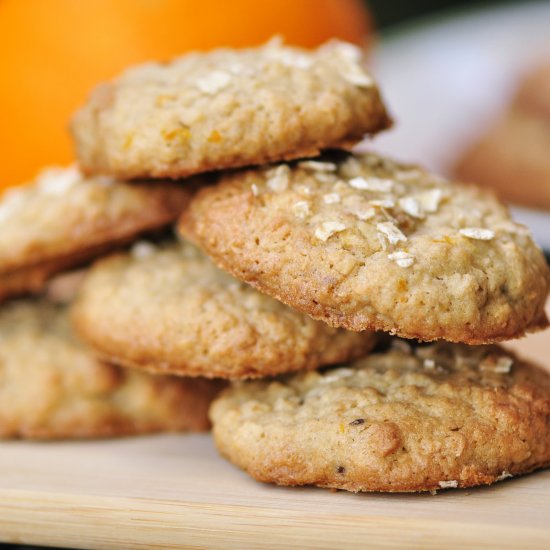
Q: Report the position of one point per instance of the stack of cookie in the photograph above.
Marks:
(303, 264)
(165, 308)
(51, 385)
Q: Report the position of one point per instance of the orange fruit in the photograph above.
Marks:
(54, 51)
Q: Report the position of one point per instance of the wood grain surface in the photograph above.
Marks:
(175, 492)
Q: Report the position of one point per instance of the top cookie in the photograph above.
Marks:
(62, 219)
(363, 242)
(228, 108)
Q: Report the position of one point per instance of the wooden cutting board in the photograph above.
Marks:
(174, 491)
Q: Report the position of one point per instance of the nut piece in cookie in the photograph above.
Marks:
(363, 242)
(170, 310)
(228, 108)
(63, 219)
(52, 387)
(412, 418)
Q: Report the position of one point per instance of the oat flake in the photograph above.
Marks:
(142, 250)
(429, 364)
(477, 233)
(505, 475)
(317, 166)
(301, 209)
(430, 200)
(57, 181)
(331, 198)
(385, 203)
(402, 259)
(412, 207)
(327, 229)
(213, 82)
(371, 184)
(391, 232)
(278, 178)
(451, 484)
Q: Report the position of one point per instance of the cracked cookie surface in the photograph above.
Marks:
(170, 309)
(52, 387)
(228, 108)
(363, 242)
(406, 419)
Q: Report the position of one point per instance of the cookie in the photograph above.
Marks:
(63, 219)
(512, 158)
(51, 387)
(228, 108)
(170, 310)
(407, 419)
(363, 242)
(512, 155)
(533, 95)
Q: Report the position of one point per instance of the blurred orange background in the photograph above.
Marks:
(55, 51)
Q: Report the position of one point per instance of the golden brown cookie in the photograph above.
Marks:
(171, 310)
(363, 242)
(228, 108)
(407, 419)
(63, 219)
(533, 95)
(51, 386)
(513, 158)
